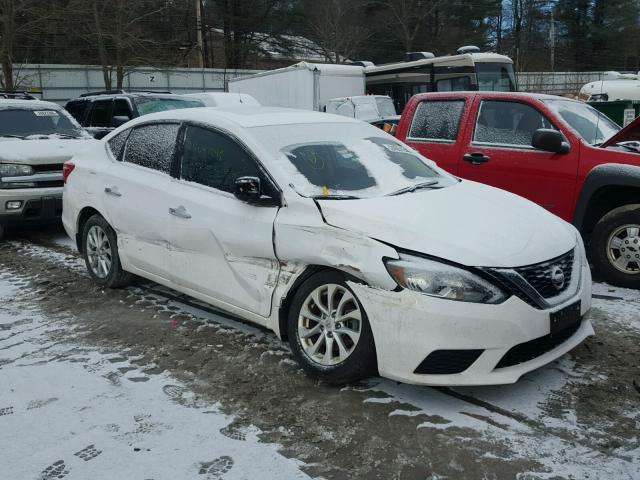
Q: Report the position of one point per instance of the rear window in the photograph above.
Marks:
(148, 105)
(437, 120)
(152, 146)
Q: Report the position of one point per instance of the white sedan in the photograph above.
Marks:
(364, 255)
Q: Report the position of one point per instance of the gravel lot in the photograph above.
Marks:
(143, 383)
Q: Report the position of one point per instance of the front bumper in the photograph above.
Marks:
(408, 326)
(39, 206)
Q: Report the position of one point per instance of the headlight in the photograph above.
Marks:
(14, 170)
(443, 281)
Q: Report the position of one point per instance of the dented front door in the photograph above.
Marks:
(220, 246)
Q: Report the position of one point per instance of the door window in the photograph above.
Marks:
(77, 110)
(101, 114)
(508, 123)
(214, 160)
(437, 120)
(121, 108)
(116, 144)
(152, 146)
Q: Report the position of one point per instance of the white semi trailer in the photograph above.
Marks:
(304, 85)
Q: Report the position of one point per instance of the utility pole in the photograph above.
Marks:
(552, 39)
(199, 34)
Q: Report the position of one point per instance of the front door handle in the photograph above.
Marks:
(180, 212)
(476, 158)
(112, 191)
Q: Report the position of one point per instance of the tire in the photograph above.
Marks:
(355, 360)
(1, 232)
(102, 234)
(615, 247)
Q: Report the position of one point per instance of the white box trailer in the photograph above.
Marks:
(304, 85)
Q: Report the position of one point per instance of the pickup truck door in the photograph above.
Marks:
(497, 151)
(435, 130)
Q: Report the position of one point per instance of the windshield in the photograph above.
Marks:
(590, 124)
(148, 105)
(345, 160)
(386, 107)
(495, 77)
(44, 120)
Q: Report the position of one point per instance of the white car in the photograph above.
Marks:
(36, 138)
(363, 254)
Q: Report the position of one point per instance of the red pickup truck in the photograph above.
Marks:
(560, 153)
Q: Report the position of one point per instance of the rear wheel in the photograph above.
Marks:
(329, 330)
(1, 232)
(100, 250)
(615, 247)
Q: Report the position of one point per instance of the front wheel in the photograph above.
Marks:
(329, 331)
(615, 247)
(100, 250)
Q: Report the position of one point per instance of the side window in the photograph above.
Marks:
(437, 120)
(116, 144)
(100, 114)
(456, 84)
(152, 146)
(213, 159)
(121, 108)
(77, 110)
(508, 123)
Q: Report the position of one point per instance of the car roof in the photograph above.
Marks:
(27, 104)
(247, 117)
(497, 95)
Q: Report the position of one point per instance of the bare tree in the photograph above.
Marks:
(20, 21)
(407, 17)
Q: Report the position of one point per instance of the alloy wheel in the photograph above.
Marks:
(329, 324)
(623, 249)
(99, 251)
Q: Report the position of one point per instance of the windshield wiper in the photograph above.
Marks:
(335, 197)
(413, 188)
(11, 136)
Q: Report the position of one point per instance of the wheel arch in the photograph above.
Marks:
(606, 187)
(85, 214)
(308, 272)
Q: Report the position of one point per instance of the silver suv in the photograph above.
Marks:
(36, 138)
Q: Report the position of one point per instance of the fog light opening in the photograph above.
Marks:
(14, 205)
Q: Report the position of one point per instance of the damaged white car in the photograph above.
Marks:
(336, 236)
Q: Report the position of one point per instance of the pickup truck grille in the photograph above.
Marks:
(541, 275)
(44, 176)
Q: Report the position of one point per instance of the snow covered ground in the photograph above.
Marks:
(143, 384)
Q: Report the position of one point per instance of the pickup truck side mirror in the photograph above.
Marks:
(549, 140)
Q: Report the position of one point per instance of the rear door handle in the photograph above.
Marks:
(112, 191)
(476, 158)
(180, 212)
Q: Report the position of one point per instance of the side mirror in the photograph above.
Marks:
(549, 140)
(247, 189)
(119, 120)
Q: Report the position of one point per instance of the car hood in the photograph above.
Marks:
(44, 151)
(468, 223)
(629, 133)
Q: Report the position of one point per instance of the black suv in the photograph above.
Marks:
(101, 112)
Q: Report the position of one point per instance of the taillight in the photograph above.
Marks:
(67, 168)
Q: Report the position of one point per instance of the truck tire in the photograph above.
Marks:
(329, 331)
(615, 247)
(100, 252)
(1, 232)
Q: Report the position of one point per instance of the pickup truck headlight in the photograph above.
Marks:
(440, 280)
(15, 170)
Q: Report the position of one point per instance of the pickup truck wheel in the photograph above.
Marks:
(615, 247)
(329, 331)
(100, 251)
(1, 232)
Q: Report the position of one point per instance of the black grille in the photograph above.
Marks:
(534, 348)
(52, 168)
(539, 275)
(442, 362)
